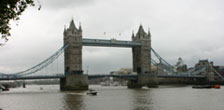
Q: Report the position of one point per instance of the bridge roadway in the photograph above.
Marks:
(130, 76)
(109, 43)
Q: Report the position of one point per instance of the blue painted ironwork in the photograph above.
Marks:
(181, 76)
(94, 76)
(168, 67)
(162, 62)
(39, 66)
(99, 42)
(219, 75)
(32, 77)
(160, 58)
(153, 61)
(109, 43)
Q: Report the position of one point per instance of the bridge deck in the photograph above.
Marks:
(32, 77)
(109, 43)
(131, 76)
(181, 76)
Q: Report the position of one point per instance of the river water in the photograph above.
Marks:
(49, 97)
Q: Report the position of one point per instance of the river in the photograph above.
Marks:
(49, 97)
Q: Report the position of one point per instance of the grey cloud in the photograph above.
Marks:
(63, 4)
(191, 29)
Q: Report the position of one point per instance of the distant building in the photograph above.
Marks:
(180, 62)
(180, 66)
(123, 71)
(203, 63)
(154, 68)
(158, 69)
(210, 72)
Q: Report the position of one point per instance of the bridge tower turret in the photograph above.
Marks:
(142, 61)
(73, 54)
(75, 79)
(142, 55)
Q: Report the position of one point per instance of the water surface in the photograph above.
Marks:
(113, 98)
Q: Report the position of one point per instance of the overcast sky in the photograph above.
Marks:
(191, 29)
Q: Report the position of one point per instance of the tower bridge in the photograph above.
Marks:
(73, 77)
(141, 49)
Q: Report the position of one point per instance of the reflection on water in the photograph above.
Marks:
(141, 99)
(113, 98)
(74, 101)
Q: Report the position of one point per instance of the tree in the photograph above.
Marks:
(11, 10)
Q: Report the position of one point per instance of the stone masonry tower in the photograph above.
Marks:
(75, 79)
(142, 61)
(73, 54)
(142, 55)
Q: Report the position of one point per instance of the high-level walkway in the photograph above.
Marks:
(109, 43)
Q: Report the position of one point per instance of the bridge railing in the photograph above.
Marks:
(112, 42)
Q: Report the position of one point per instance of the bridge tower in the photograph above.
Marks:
(74, 77)
(142, 60)
(142, 55)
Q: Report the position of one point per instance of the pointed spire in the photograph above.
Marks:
(80, 28)
(141, 30)
(72, 25)
(149, 34)
(133, 34)
(64, 29)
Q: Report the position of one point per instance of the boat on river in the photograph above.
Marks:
(206, 86)
(91, 92)
(202, 86)
(3, 88)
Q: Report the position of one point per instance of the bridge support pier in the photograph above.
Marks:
(134, 84)
(74, 82)
(149, 80)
